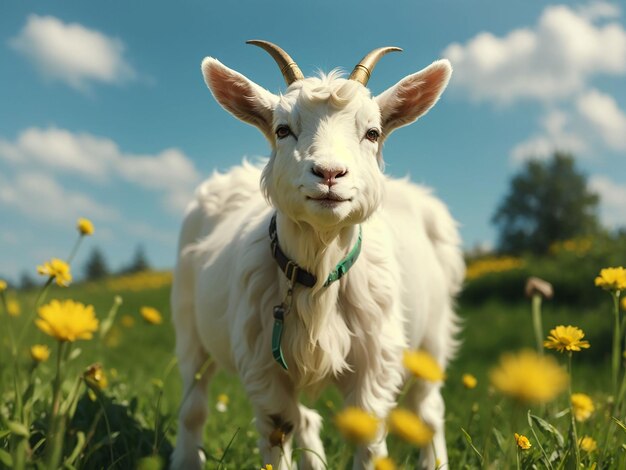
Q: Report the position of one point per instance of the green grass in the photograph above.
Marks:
(137, 360)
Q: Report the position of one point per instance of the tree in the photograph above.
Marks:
(27, 281)
(548, 201)
(96, 266)
(139, 262)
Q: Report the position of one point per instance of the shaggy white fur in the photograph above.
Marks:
(323, 179)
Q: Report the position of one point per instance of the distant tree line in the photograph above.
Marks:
(96, 267)
(548, 201)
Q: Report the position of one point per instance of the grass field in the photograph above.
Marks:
(144, 388)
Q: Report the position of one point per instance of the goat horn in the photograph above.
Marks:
(290, 70)
(363, 69)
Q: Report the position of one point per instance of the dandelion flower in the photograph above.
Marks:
(84, 226)
(566, 338)
(151, 315)
(587, 443)
(267, 467)
(127, 321)
(528, 377)
(537, 286)
(384, 463)
(410, 427)
(469, 381)
(582, 406)
(67, 320)
(357, 425)
(39, 352)
(57, 269)
(3, 285)
(423, 365)
(612, 279)
(13, 308)
(95, 376)
(522, 442)
(222, 403)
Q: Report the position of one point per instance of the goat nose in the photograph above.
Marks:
(329, 175)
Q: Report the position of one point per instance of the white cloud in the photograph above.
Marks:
(602, 113)
(555, 136)
(598, 10)
(72, 53)
(40, 196)
(553, 60)
(612, 197)
(170, 172)
(62, 150)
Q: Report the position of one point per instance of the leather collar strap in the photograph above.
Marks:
(302, 276)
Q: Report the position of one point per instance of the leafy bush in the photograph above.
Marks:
(568, 267)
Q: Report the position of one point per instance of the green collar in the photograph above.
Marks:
(296, 274)
(301, 276)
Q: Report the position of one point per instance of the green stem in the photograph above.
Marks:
(546, 459)
(344, 458)
(54, 444)
(9, 325)
(537, 322)
(571, 411)
(40, 299)
(617, 350)
(16, 371)
(519, 466)
(74, 249)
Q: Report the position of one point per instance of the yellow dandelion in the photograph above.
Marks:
(113, 338)
(84, 226)
(528, 377)
(39, 352)
(3, 285)
(582, 406)
(612, 279)
(222, 403)
(357, 425)
(469, 381)
(267, 467)
(57, 269)
(14, 308)
(423, 365)
(588, 444)
(384, 463)
(151, 315)
(566, 338)
(95, 377)
(410, 427)
(127, 321)
(522, 441)
(67, 320)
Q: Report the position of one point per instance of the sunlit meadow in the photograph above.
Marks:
(89, 379)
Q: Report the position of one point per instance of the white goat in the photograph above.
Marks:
(324, 185)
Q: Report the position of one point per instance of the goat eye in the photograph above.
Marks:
(372, 135)
(283, 131)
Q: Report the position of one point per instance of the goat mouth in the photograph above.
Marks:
(328, 200)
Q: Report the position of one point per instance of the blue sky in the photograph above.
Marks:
(105, 114)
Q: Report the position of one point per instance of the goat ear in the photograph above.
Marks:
(413, 96)
(241, 97)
